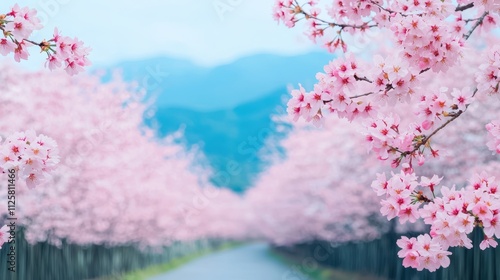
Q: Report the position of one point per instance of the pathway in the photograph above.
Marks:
(249, 262)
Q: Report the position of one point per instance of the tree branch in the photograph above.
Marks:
(427, 138)
(464, 7)
(478, 22)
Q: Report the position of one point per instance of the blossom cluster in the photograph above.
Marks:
(18, 25)
(68, 51)
(421, 28)
(32, 156)
(452, 216)
(283, 11)
(289, 12)
(383, 136)
(403, 99)
(423, 252)
(493, 129)
(332, 94)
(427, 44)
(398, 192)
(488, 78)
(390, 82)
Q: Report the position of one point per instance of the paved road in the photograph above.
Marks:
(249, 262)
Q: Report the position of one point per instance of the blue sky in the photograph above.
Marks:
(208, 32)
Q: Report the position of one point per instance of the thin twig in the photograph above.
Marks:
(478, 22)
(427, 138)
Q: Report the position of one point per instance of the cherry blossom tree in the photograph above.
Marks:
(317, 189)
(116, 182)
(26, 154)
(406, 100)
(30, 155)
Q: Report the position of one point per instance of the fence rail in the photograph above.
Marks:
(379, 258)
(43, 261)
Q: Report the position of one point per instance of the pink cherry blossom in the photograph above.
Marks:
(18, 26)
(4, 233)
(488, 242)
(425, 90)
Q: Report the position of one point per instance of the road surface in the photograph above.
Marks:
(249, 262)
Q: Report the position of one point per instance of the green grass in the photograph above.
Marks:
(166, 267)
(321, 272)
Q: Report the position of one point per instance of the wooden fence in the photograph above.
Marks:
(43, 261)
(379, 258)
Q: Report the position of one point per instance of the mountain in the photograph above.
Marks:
(225, 110)
(231, 139)
(180, 83)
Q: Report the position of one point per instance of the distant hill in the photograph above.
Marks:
(180, 83)
(230, 139)
(226, 110)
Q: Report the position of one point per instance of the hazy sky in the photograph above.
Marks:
(208, 32)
